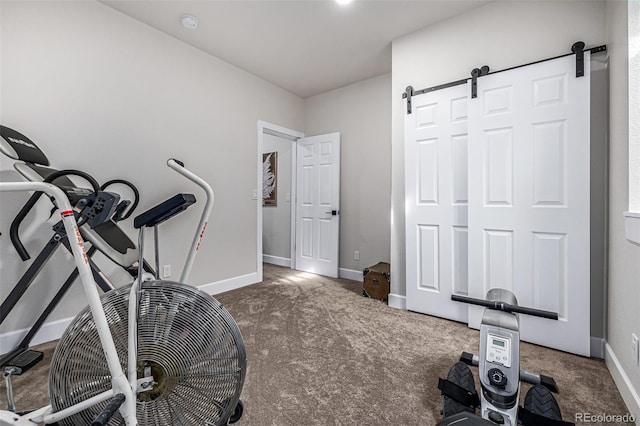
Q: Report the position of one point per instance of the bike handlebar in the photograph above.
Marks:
(179, 167)
(505, 307)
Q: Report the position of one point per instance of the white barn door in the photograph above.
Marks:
(529, 197)
(436, 202)
(318, 204)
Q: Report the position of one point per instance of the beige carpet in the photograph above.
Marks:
(321, 354)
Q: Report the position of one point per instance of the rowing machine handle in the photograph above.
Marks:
(506, 307)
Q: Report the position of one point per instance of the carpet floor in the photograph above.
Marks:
(318, 353)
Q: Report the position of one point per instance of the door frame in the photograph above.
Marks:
(293, 136)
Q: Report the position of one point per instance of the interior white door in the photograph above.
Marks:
(436, 202)
(318, 204)
(529, 157)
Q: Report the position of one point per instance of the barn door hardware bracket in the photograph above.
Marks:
(578, 49)
(598, 49)
(475, 73)
(411, 92)
(407, 95)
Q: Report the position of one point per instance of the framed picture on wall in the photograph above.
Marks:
(270, 179)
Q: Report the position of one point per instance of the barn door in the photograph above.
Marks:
(436, 202)
(529, 211)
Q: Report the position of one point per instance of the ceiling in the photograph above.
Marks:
(306, 47)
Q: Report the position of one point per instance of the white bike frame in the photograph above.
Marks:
(119, 381)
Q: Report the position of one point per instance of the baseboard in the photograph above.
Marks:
(597, 347)
(350, 274)
(230, 284)
(53, 330)
(629, 393)
(49, 331)
(275, 260)
(398, 301)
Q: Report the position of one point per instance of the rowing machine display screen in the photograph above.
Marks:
(498, 350)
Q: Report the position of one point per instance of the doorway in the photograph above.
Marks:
(277, 178)
(299, 187)
(274, 138)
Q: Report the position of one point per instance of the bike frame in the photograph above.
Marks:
(119, 381)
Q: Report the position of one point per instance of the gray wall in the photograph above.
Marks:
(276, 220)
(623, 298)
(100, 91)
(634, 95)
(361, 113)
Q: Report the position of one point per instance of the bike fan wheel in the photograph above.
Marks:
(187, 341)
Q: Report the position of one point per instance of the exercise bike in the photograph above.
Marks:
(101, 231)
(153, 352)
(499, 372)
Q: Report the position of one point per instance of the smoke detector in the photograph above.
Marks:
(190, 22)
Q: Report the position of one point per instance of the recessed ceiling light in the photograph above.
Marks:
(190, 22)
(343, 2)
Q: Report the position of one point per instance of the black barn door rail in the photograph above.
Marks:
(577, 49)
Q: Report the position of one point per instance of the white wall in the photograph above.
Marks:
(623, 297)
(276, 220)
(361, 113)
(99, 91)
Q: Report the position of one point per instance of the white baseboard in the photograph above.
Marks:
(350, 274)
(629, 393)
(49, 331)
(398, 301)
(597, 347)
(275, 260)
(53, 330)
(230, 284)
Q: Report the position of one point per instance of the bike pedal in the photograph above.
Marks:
(22, 362)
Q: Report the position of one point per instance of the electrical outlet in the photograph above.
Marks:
(166, 271)
(635, 350)
(356, 255)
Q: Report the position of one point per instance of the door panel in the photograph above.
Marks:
(436, 202)
(529, 200)
(318, 195)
